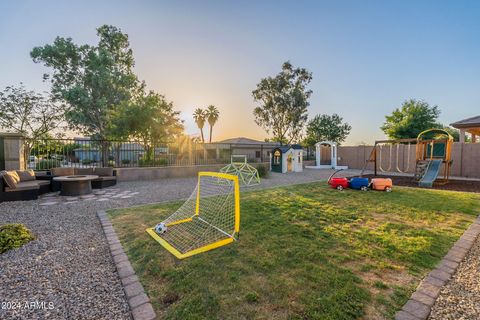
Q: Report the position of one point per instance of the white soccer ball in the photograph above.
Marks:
(160, 228)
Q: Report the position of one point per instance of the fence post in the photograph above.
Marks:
(13, 151)
(195, 153)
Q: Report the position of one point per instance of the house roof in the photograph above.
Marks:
(243, 140)
(467, 123)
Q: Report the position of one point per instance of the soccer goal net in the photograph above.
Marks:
(210, 217)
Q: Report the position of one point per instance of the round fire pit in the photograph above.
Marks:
(76, 185)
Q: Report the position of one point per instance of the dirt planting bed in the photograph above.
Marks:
(455, 185)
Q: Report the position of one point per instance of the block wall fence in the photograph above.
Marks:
(465, 156)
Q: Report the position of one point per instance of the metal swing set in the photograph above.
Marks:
(397, 153)
(432, 153)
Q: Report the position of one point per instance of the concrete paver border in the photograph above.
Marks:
(138, 301)
(419, 305)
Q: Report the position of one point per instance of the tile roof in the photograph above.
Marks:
(243, 140)
(467, 123)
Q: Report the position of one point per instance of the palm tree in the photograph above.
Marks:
(199, 117)
(212, 115)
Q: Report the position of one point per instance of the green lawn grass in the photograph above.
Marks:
(305, 252)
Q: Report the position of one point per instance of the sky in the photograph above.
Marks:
(366, 57)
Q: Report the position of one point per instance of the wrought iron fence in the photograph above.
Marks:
(45, 154)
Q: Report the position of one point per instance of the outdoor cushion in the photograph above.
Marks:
(27, 185)
(14, 175)
(84, 171)
(9, 180)
(62, 172)
(42, 182)
(26, 175)
(104, 172)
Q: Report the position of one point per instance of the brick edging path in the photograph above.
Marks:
(138, 301)
(422, 300)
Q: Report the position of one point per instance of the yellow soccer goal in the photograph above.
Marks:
(210, 218)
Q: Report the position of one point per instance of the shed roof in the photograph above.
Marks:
(296, 147)
(285, 148)
(467, 123)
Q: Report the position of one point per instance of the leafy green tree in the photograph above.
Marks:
(455, 133)
(28, 113)
(327, 128)
(413, 117)
(151, 120)
(283, 103)
(200, 117)
(91, 81)
(212, 115)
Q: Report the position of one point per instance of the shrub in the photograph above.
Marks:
(262, 171)
(111, 163)
(14, 236)
(125, 161)
(153, 163)
(46, 164)
(162, 162)
(86, 161)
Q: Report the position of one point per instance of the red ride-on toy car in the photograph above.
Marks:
(338, 183)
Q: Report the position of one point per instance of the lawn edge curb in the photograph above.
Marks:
(138, 301)
(419, 305)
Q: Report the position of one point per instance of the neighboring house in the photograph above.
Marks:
(254, 150)
(129, 151)
(470, 125)
(87, 154)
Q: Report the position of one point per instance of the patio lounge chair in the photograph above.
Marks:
(18, 185)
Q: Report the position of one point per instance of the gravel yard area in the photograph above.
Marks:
(460, 297)
(67, 272)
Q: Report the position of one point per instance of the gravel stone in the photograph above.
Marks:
(460, 297)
